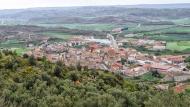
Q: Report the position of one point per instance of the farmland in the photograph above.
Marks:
(182, 21)
(12, 43)
(20, 51)
(179, 46)
(146, 28)
(175, 33)
(149, 77)
(59, 35)
(94, 27)
(18, 46)
(170, 37)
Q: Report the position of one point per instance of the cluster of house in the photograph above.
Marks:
(95, 55)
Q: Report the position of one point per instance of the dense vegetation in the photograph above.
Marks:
(26, 82)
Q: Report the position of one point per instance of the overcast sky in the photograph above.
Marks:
(12, 4)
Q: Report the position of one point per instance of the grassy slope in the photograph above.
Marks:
(179, 46)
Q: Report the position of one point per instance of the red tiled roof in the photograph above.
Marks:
(162, 67)
(111, 52)
(76, 39)
(95, 46)
(179, 89)
(176, 58)
(117, 65)
(146, 66)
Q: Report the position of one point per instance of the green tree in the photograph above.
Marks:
(25, 56)
(74, 76)
(58, 71)
(32, 60)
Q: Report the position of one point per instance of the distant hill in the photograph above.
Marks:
(161, 6)
(92, 14)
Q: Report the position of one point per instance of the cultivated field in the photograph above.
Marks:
(179, 46)
(58, 35)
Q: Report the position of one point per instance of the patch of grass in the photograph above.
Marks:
(170, 30)
(183, 43)
(12, 44)
(15, 45)
(149, 77)
(95, 27)
(179, 46)
(58, 35)
(167, 33)
(182, 21)
(147, 28)
(20, 51)
(169, 37)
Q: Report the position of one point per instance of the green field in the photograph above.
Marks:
(149, 77)
(147, 28)
(20, 51)
(184, 43)
(179, 46)
(182, 21)
(168, 30)
(177, 30)
(15, 45)
(12, 44)
(162, 32)
(94, 27)
(58, 35)
(170, 37)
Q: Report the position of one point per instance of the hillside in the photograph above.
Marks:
(93, 14)
(26, 82)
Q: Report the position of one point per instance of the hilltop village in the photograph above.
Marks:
(109, 54)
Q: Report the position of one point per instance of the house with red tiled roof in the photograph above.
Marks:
(93, 47)
(111, 52)
(53, 57)
(160, 68)
(75, 41)
(116, 66)
(176, 59)
(147, 66)
(179, 88)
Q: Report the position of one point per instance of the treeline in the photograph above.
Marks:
(27, 82)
